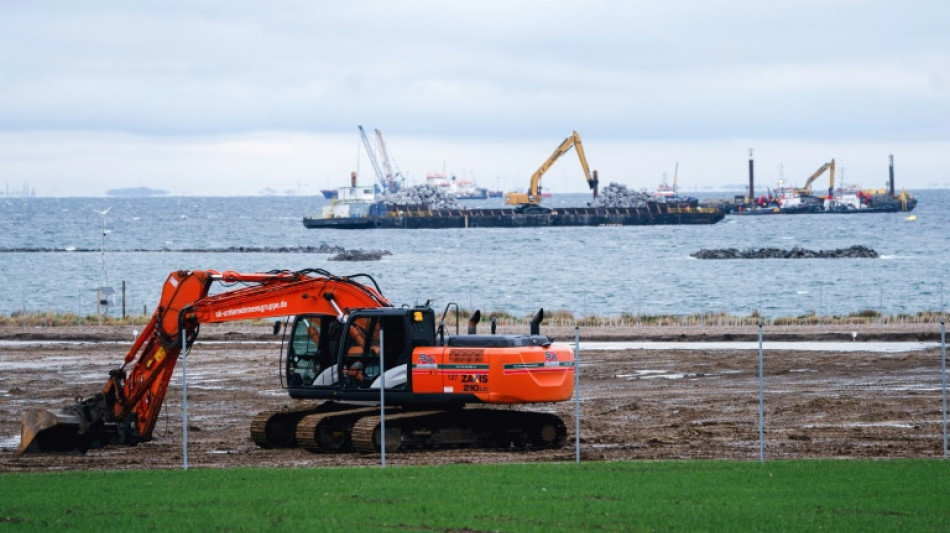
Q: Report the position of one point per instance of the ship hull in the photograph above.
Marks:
(652, 214)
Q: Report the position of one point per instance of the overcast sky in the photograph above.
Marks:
(230, 97)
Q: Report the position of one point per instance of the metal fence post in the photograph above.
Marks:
(943, 373)
(761, 401)
(382, 398)
(577, 395)
(184, 399)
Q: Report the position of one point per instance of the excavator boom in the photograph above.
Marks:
(830, 167)
(128, 406)
(533, 196)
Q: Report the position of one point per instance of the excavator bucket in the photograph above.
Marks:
(51, 431)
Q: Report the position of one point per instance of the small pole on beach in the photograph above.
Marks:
(880, 319)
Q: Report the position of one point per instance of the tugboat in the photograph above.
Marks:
(351, 207)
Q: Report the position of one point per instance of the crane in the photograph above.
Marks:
(391, 183)
(530, 201)
(372, 159)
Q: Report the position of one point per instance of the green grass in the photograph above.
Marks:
(835, 495)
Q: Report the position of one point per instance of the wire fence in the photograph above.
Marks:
(710, 402)
(764, 401)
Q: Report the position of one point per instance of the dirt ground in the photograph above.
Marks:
(634, 403)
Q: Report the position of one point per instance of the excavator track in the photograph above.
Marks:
(329, 432)
(366, 432)
(278, 428)
(460, 428)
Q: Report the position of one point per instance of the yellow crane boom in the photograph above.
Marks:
(829, 166)
(533, 196)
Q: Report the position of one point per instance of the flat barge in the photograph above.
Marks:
(420, 217)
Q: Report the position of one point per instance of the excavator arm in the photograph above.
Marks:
(128, 406)
(533, 196)
(829, 166)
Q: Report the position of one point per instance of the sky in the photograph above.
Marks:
(225, 98)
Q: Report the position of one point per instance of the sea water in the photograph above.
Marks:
(607, 271)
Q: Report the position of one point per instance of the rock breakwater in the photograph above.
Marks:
(854, 252)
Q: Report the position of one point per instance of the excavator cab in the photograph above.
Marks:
(333, 360)
(309, 351)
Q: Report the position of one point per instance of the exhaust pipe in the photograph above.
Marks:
(473, 322)
(536, 322)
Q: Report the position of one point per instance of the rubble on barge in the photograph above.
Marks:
(429, 207)
(416, 217)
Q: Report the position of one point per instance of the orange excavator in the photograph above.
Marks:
(346, 341)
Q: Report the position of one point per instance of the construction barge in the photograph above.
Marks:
(841, 200)
(422, 217)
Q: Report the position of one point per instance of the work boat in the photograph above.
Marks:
(793, 201)
(462, 189)
(852, 199)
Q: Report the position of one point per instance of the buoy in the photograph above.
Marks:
(911, 218)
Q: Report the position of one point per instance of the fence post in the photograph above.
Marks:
(943, 373)
(577, 394)
(761, 401)
(382, 397)
(184, 398)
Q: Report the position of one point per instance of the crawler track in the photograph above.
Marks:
(278, 429)
(329, 432)
(460, 428)
(337, 428)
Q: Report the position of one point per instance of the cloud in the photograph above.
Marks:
(491, 74)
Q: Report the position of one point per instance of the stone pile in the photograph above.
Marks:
(422, 195)
(617, 195)
(854, 252)
(360, 255)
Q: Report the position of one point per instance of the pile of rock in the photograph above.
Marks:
(617, 195)
(360, 255)
(422, 195)
(856, 251)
